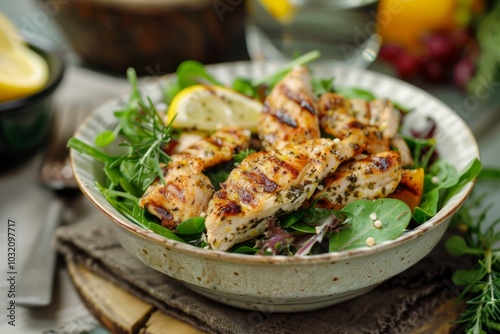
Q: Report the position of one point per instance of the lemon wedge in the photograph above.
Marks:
(282, 10)
(22, 71)
(207, 108)
(8, 34)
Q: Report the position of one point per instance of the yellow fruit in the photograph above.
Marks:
(281, 10)
(405, 22)
(22, 71)
(8, 34)
(206, 108)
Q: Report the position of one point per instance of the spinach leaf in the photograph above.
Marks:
(394, 214)
(428, 206)
(448, 183)
(446, 175)
(311, 216)
(244, 250)
(191, 73)
(245, 87)
(129, 187)
(445, 172)
(216, 178)
(469, 174)
(242, 155)
(164, 232)
(192, 225)
(104, 138)
(288, 220)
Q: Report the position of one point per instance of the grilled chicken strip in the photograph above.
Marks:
(289, 114)
(378, 118)
(339, 125)
(270, 183)
(374, 177)
(184, 193)
(217, 148)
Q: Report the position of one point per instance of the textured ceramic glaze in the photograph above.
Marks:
(288, 284)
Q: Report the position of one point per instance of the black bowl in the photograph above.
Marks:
(25, 122)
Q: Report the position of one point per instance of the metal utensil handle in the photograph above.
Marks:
(35, 282)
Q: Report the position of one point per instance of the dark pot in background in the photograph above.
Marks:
(153, 36)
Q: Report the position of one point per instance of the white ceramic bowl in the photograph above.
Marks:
(279, 283)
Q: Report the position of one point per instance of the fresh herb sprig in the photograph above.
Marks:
(144, 135)
(482, 282)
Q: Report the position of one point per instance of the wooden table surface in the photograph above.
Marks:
(125, 313)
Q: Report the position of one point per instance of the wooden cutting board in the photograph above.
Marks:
(119, 311)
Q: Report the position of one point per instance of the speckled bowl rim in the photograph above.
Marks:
(213, 255)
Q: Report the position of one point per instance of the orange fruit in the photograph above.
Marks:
(404, 22)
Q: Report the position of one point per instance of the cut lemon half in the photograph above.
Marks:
(8, 34)
(207, 108)
(22, 71)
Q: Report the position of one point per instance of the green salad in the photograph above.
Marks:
(151, 135)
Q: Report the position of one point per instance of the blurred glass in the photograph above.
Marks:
(342, 30)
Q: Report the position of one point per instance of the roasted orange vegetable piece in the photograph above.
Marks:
(410, 187)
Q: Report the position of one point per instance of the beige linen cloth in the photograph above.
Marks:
(408, 303)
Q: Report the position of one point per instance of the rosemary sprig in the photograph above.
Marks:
(482, 282)
(145, 135)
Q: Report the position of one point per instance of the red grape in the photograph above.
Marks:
(444, 56)
(434, 70)
(407, 65)
(441, 47)
(390, 52)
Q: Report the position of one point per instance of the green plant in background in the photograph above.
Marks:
(488, 37)
(481, 283)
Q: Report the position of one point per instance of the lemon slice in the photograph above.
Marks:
(207, 108)
(22, 71)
